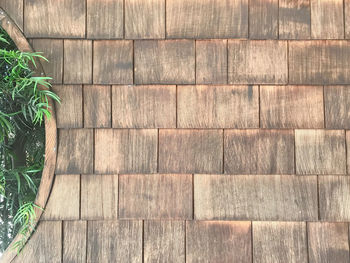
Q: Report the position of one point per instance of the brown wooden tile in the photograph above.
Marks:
(52, 18)
(332, 57)
(14, 9)
(64, 201)
(75, 151)
(105, 19)
(334, 198)
(327, 19)
(74, 241)
(164, 62)
(263, 19)
(77, 61)
(218, 106)
(113, 62)
(257, 62)
(190, 151)
(99, 197)
(260, 197)
(259, 151)
(125, 151)
(69, 112)
(337, 107)
(320, 152)
(206, 19)
(144, 19)
(155, 196)
(215, 241)
(164, 241)
(291, 106)
(294, 19)
(97, 106)
(144, 106)
(211, 62)
(279, 242)
(328, 242)
(347, 18)
(114, 241)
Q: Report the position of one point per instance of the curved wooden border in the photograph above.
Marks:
(50, 133)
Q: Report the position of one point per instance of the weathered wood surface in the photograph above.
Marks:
(337, 107)
(14, 9)
(347, 18)
(74, 241)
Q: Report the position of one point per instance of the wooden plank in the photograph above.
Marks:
(64, 201)
(74, 241)
(99, 197)
(327, 21)
(261, 197)
(114, 241)
(144, 106)
(113, 62)
(320, 152)
(77, 61)
(97, 106)
(334, 198)
(69, 112)
(337, 107)
(279, 242)
(155, 196)
(216, 241)
(294, 19)
(347, 138)
(257, 62)
(105, 19)
(52, 50)
(347, 18)
(259, 151)
(126, 151)
(218, 106)
(75, 151)
(164, 241)
(291, 107)
(328, 242)
(190, 151)
(144, 19)
(14, 9)
(263, 19)
(211, 62)
(52, 18)
(206, 19)
(164, 62)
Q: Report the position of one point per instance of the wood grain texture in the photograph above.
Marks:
(337, 107)
(74, 241)
(320, 152)
(261, 197)
(259, 151)
(164, 62)
(279, 242)
(291, 107)
(114, 241)
(113, 62)
(54, 19)
(215, 241)
(347, 137)
(164, 241)
(211, 61)
(257, 62)
(207, 19)
(144, 106)
(155, 196)
(319, 62)
(334, 197)
(190, 151)
(125, 151)
(14, 9)
(263, 19)
(105, 19)
(75, 151)
(97, 106)
(347, 18)
(77, 61)
(328, 242)
(99, 197)
(218, 106)
(327, 21)
(70, 110)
